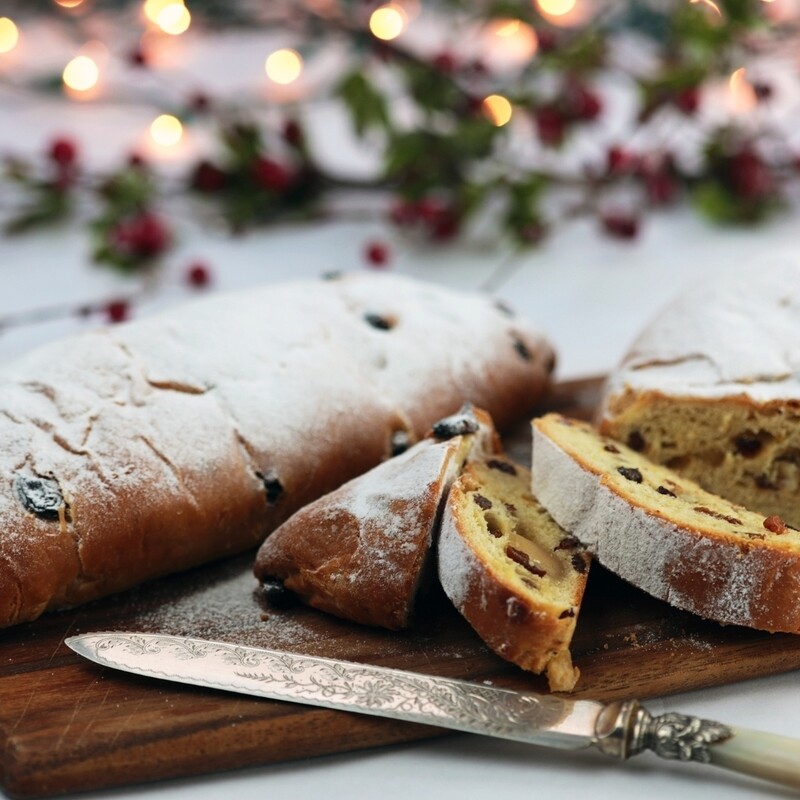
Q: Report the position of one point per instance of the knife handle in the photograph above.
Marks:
(764, 755)
(625, 729)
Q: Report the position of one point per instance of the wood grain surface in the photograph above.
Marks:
(69, 725)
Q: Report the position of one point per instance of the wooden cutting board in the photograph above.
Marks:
(69, 725)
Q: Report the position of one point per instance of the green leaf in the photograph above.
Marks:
(432, 89)
(52, 206)
(367, 105)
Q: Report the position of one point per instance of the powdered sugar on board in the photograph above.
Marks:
(223, 602)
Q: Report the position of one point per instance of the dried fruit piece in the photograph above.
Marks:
(631, 473)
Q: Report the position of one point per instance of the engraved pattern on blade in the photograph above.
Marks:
(344, 685)
(677, 736)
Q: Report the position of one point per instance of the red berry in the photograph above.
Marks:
(551, 125)
(547, 41)
(271, 175)
(749, 176)
(136, 161)
(428, 209)
(117, 311)
(63, 152)
(620, 225)
(620, 161)
(293, 133)
(138, 58)
(404, 213)
(688, 100)
(661, 188)
(445, 62)
(143, 236)
(377, 254)
(199, 102)
(446, 225)
(583, 104)
(208, 177)
(763, 91)
(198, 275)
(478, 67)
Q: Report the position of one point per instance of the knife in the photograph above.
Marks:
(621, 729)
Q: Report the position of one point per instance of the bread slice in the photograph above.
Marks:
(711, 388)
(664, 533)
(514, 574)
(362, 552)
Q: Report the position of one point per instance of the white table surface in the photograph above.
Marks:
(591, 294)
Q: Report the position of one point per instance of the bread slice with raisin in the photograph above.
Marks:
(664, 533)
(512, 572)
(711, 388)
(362, 552)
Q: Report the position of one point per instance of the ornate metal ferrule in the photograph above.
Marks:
(627, 729)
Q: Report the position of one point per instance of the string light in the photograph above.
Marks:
(742, 95)
(511, 43)
(152, 8)
(497, 109)
(387, 22)
(174, 19)
(556, 8)
(708, 4)
(565, 13)
(284, 66)
(81, 74)
(9, 35)
(166, 130)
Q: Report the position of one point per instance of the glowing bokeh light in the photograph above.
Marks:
(9, 35)
(81, 74)
(387, 22)
(152, 8)
(742, 94)
(511, 43)
(708, 4)
(284, 66)
(68, 3)
(556, 8)
(497, 109)
(174, 19)
(166, 130)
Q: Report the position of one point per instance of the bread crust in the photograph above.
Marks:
(732, 579)
(188, 437)
(529, 631)
(361, 551)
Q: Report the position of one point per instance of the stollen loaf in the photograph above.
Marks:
(711, 388)
(153, 446)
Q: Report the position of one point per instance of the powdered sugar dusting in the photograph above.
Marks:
(712, 577)
(731, 336)
(139, 422)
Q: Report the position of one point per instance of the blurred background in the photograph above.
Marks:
(582, 159)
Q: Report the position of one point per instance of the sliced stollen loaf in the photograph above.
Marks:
(512, 572)
(712, 389)
(153, 446)
(362, 552)
(664, 533)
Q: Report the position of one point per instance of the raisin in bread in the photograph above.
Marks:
(514, 574)
(362, 551)
(664, 533)
(157, 445)
(712, 389)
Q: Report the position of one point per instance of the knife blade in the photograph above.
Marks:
(621, 729)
